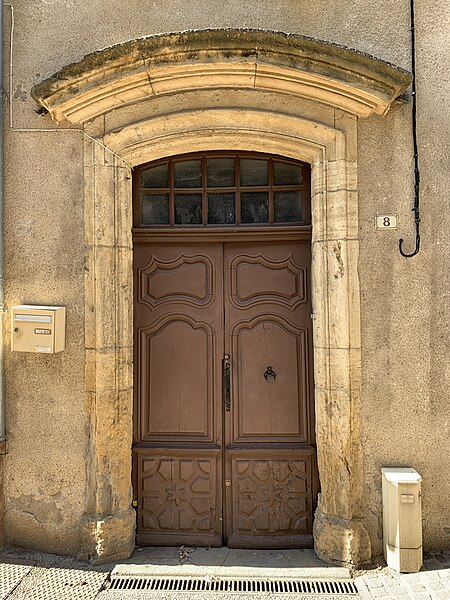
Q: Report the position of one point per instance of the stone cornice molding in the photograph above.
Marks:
(218, 59)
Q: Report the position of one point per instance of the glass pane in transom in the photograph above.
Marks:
(188, 209)
(254, 207)
(220, 172)
(288, 207)
(156, 177)
(220, 189)
(287, 174)
(221, 209)
(188, 174)
(155, 209)
(254, 172)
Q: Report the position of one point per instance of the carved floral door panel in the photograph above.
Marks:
(195, 303)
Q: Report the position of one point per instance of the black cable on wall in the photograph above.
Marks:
(415, 209)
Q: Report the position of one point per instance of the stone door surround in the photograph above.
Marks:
(215, 90)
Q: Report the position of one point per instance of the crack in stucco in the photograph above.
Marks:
(147, 70)
(337, 251)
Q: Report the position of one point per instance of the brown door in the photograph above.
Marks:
(224, 434)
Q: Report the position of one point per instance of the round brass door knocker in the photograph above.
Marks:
(270, 375)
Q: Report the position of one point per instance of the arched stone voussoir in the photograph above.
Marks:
(219, 59)
(214, 129)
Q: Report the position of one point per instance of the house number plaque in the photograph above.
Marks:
(386, 222)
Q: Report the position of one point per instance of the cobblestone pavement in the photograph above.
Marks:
(39, 576)
(431, 583)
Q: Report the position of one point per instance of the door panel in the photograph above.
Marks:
(182, 347)
(178, 428)
(194, 304)
(265, 411)
(269, 433)
(271, 498)
(255, 278)
(179, 497)
(187, 278)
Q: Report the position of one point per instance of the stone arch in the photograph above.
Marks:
(237, 90)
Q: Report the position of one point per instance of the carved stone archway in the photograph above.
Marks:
(236, 90)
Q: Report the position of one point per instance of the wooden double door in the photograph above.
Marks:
(224, 424)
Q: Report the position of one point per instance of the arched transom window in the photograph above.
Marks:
(222, 189)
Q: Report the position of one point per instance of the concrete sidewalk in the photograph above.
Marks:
(38, 576)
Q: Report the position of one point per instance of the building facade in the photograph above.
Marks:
(216, 195)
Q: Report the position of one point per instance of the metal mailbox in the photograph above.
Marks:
(40, 329)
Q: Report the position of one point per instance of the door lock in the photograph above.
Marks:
(227, 482)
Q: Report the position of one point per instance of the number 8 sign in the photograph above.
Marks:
(386, 222)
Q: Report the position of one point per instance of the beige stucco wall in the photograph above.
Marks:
(46, 421)
(404, 302)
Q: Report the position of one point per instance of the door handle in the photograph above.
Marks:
(227, 382)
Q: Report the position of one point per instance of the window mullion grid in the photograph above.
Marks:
(271, 188)
(171, 194)
(306, 194)
(138, 198)
(204, 193)
(271, 195)
(237, 174)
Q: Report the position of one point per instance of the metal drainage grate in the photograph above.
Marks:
(274, 586)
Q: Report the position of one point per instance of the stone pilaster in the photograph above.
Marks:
(339, 533)
(108, 532)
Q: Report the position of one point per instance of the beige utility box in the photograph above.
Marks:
(38, 328)
(402, 518)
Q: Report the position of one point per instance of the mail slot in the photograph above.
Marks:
(39, 329)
